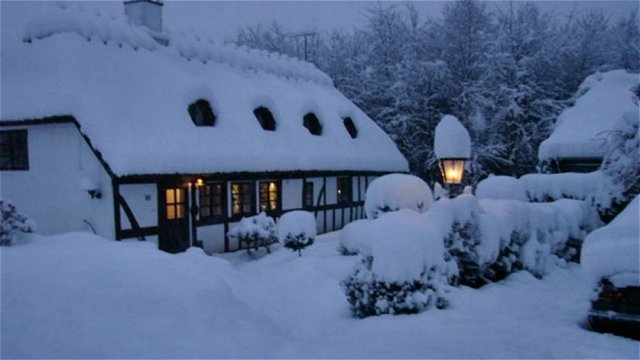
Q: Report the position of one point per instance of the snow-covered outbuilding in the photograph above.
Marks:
(576, 143)
(113, 123)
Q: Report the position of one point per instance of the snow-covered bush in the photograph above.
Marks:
(255, 232)
(12, 223)
(612, 251)
(621, 165)
(402, 271)
(297, 230)
(351, 241)
(501, 187)
(397, 191)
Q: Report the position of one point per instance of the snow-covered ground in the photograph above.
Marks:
(79, 296)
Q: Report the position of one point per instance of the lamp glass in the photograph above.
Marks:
(452, 170)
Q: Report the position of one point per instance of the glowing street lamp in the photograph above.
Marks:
(452, 146)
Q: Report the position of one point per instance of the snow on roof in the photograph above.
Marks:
(131, 95)
(452, 139)
(579, 130)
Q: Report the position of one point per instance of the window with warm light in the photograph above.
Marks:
(269, 195)
(211, 200)
(174, 200)
(344, 188)
(242, 198)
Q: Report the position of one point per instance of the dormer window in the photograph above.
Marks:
(351, 127)
(312, 124)
(201, 113)
(265, 118)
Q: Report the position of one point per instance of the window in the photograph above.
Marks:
(211, 201)
(265, 118)
(242, 198)
(307, 191)
(312, 124)
(344, 190)
(175, 203)
(14, 152)
(351, 127)
(269, 196)
(201, 113)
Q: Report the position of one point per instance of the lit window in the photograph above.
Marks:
(344, 190)
(307, 190)
(174, 203)
(265, 118)
(201, 113)
(311, 122)
(268, 195)
(211, 201)
(351, 127)
(14, 152)
(242, 198)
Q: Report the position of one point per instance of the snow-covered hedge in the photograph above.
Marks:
(612, 251)
(255, 232)
(542, 187)
(297, 230)
(12, 222)
(402, 269)
(351, 241)
(397, 191)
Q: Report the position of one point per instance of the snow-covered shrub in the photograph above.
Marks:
(255, 232)
(612, 251)
(297, 230)
(402, 271)
(351, 241)
(397, 191)
(621, 165)
(12, 223)
(501, 187)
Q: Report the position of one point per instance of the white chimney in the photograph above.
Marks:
(147, 13)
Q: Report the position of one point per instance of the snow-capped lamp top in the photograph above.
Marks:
(452, 140)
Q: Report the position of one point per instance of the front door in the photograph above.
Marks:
(173, 221)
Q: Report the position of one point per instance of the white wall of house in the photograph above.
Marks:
(143, 201)
(51, 191)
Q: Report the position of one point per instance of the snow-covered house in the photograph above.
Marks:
(114, 124)
(576, 143)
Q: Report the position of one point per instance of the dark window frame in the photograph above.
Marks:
(344, 190)
(201, 113)
(308, 192)
(246, 196)
(351, 127)
(212, 202)
(14, 150)
(270, 206)
(265, 118)
(313, 124)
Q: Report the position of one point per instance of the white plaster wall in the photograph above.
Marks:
(50, 191)
(292, 194)
(143, 201)
(212, 237)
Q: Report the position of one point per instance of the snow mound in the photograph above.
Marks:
(501, 187)
(351, 242)
(602, 100)
(297, 223)
(452, 139)
(613, 250)
(397, 191)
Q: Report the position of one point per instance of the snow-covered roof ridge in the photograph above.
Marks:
(61, 17)
(602, 100)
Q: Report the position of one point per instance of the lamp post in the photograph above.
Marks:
(452, 146)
